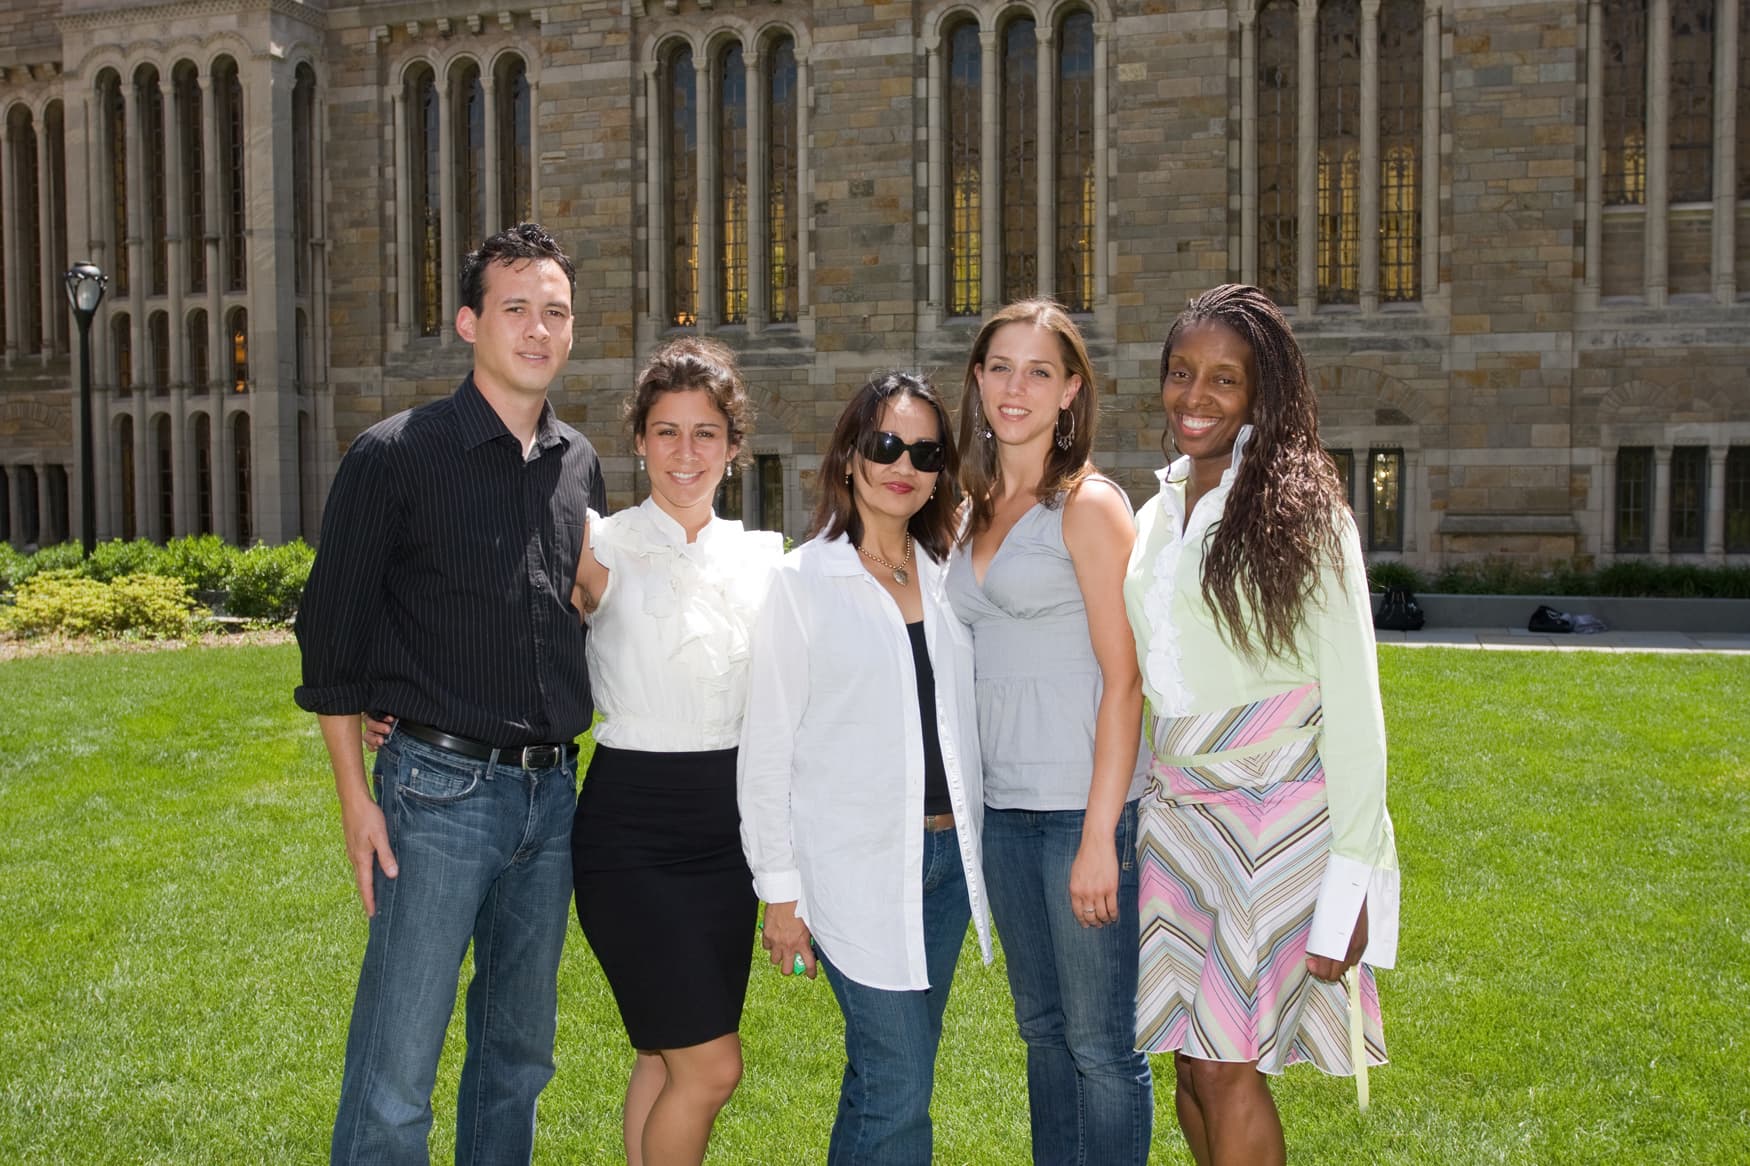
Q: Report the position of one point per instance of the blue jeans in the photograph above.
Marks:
(1089, 1091)
(891, 1037)
(484, 852)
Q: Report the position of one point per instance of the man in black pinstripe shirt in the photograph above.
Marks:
(442, 596)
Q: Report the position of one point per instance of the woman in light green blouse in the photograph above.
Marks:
(1268, 865)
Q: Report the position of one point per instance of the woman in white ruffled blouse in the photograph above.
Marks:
(663, 891)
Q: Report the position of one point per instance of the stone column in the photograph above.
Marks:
(145, 509)
(535, 147)
(1725, 221)
(1431, 168)
(1715, 544)
(1606, 479)
(177, 243)
(489, 110)
(656, 198)
(181, 496)
(1368, 178)
(805, 196)
(214, 216)
(448, 225)
(102, 451)
(1045, 200)
(938, 210)
(1102, 186)
(15, 502)
(1592, 287)
(404, 227)
(138, 277)
(1660, 543)
(1248, 264)
(758, 283)
(224, 473)
(14, 272)
(1657, 278)
(1307, 159)
(990, 184)
(53, 265)
(709, 285)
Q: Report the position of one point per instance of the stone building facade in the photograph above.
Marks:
(1513, 237)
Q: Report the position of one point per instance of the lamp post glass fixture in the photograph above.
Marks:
(85, 284)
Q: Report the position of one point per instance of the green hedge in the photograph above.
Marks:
(1632, 578)
(77, 605)
(263, 582)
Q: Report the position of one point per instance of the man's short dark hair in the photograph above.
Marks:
(522, 242)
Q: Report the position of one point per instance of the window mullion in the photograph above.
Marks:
(1656, 278)
(756, 228)
(448, 221)
(990, 172)
(1725, 216)
(710, 283)
(1369, 177)
(1307, 157)
(1045, 135)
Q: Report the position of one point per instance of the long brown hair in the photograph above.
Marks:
(1279, 525)
(981, 474)
(835, 509)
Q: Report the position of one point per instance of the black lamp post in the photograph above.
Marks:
(85, 284)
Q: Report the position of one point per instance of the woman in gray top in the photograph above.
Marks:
(1038, 576)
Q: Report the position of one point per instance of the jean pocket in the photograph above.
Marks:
(424, 780)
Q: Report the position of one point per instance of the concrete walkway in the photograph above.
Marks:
(1518, 639)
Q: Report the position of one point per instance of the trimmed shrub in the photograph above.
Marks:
(73, 605)
(1390, 573)
(115, 558)
(266, 582)
(60, 557)
(202, 561)
(12, 567)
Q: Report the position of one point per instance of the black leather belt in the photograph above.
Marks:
(524, 756)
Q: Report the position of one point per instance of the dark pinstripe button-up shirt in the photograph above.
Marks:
(442, 588)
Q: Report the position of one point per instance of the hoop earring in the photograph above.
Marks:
(1065, 440)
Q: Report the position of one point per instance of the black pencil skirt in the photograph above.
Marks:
(663, 891)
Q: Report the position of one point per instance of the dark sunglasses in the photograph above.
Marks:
(927, 456)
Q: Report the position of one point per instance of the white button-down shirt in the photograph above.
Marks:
(831, 768)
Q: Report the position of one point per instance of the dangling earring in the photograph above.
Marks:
(641, 463)
(985, 432)
(729, 468)
(847, 475)
(1065, 440)
(934, 488)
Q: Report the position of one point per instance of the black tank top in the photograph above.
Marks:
(936, 800)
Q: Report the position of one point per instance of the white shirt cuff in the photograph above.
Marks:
(1347, 884)
(784, 886)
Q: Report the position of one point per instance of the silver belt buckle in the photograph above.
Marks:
(542, 756)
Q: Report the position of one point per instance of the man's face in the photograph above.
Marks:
(522, 335)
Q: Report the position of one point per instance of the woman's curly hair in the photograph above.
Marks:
(1280, 523)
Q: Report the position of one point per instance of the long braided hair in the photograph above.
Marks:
(1280, 521)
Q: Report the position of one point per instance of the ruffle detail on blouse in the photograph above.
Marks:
(1166, 674)
(711, 587)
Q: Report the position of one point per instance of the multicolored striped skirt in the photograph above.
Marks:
(1233, 836)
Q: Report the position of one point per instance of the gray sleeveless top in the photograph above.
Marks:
(1037, 681)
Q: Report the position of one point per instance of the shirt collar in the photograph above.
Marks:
(480, 423)
(1180, 468)
(664, 527)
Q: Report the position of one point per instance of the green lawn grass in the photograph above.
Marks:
(1572, 981)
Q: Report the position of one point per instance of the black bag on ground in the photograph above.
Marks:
(1399, 611)
(1548, 619)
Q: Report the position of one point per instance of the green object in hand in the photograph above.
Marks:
(799, 966)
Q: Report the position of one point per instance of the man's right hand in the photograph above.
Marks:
(367, 843)
(361, 819)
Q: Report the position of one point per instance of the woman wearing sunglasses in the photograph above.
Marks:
(1038, 577)
(859, 769)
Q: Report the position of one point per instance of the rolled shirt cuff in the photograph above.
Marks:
(332, 700)
(783, 886)
(1346, 885)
